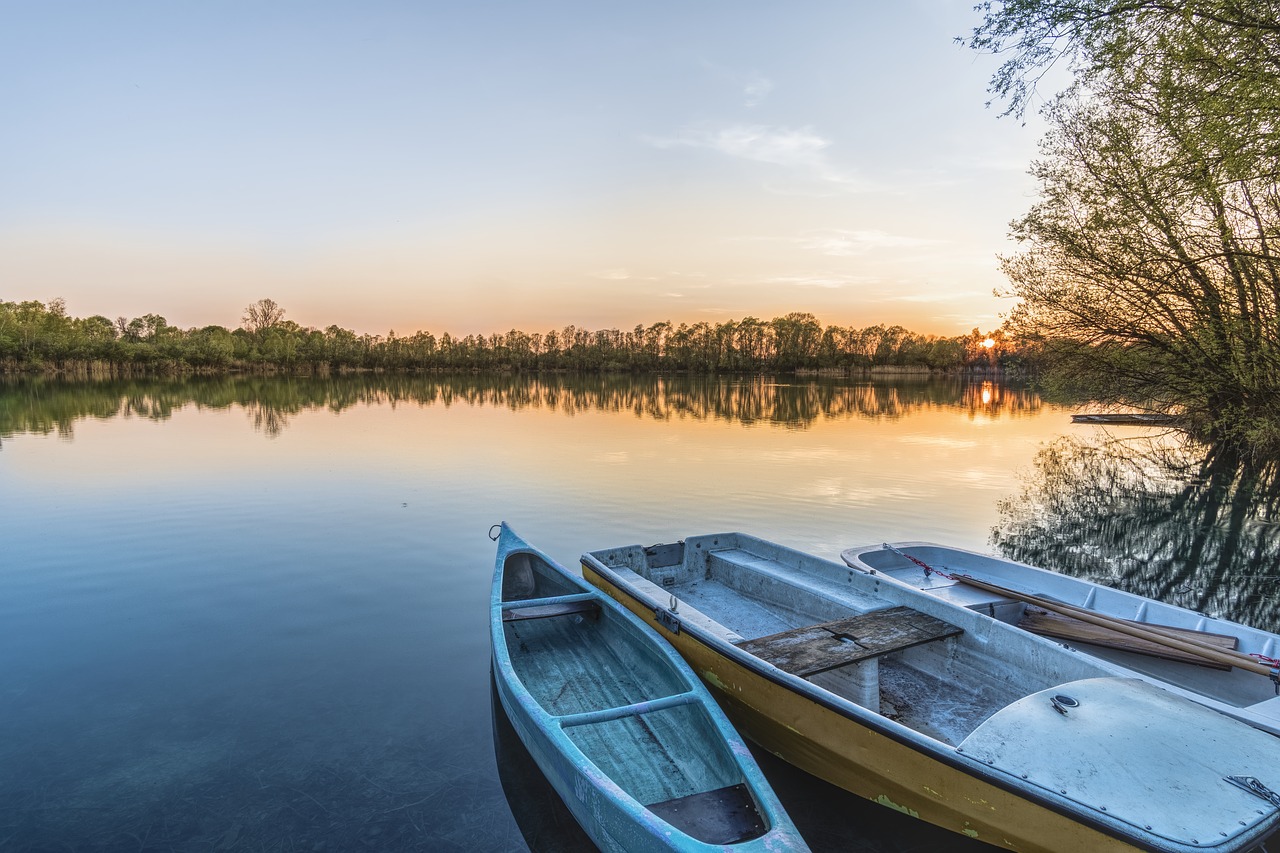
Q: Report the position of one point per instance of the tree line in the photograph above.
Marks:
(40, 337)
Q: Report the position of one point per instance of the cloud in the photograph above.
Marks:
(845, 243)
(798, 149)
(618, 274)
(926, 298)
(828, 281)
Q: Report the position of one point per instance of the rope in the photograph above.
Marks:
(928, 569)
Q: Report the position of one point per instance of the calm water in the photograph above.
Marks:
(250, 614)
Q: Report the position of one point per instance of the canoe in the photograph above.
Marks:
(1050, 604)
(943, 713)
(623, 730)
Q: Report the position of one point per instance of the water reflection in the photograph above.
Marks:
(43, 406)
(1191, 525)
(544, 821)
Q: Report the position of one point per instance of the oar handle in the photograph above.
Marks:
(1152, 633)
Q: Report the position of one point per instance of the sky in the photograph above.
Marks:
(477, 167)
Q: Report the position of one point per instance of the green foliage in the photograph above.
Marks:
(1149, 264)
(38, 337)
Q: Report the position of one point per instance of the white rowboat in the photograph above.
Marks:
(1241, 684)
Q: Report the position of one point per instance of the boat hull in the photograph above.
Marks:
(846, 752)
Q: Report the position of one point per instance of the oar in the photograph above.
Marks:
(1150, 633)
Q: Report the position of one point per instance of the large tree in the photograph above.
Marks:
(1151, 262)
(261, 316)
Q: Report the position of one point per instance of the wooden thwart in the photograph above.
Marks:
(1064, 627)
(817, 648)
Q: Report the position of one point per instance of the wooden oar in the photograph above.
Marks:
(1150, 633)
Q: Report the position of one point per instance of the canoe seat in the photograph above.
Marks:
(723, 816)
(814, 649)
(544, 611)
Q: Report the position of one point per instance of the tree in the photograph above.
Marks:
(797, 337)
(1230, 45)
(1149, 264)
(260, 316)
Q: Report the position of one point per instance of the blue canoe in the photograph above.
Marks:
(619, 724)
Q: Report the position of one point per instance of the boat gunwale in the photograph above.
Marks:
(1062, 804)
(1210, 621)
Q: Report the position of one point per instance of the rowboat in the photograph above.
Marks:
(623, 730)
(1236, 675)
(1125, 419)
(943, 713)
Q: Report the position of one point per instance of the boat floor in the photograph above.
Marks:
(729, 607)
(658, 755)
(724, 816)
(934, 706)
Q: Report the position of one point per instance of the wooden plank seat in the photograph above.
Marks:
(1062, 627)
(812, 649)
(543, 611)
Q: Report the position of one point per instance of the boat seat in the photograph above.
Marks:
(543, 611)
(723, 816)
(688, 614)
(813, 649)
(762, 576)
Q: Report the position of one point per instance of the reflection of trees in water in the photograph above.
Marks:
(44, 405)
(1193, 526)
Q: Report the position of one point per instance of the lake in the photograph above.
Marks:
(251, 613)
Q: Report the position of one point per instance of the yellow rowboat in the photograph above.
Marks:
(943, 713)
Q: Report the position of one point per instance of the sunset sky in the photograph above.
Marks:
(474, 167)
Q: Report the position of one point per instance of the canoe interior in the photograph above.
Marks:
(1233, 688)
(594, 672)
